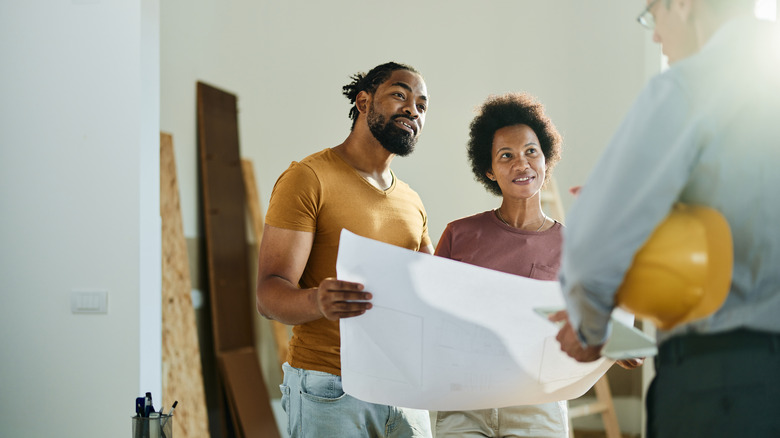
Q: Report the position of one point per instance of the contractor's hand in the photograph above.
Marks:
(570, 343)
(338, 299)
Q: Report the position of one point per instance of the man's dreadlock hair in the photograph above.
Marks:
(369, 82)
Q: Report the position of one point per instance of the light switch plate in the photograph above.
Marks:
(89, 301)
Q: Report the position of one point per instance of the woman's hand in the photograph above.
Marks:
(630, 364)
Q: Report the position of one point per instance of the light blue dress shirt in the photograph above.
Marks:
(705, 132)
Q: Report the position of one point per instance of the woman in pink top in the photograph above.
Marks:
(513, 147)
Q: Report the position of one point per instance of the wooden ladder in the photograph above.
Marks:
(551, 200)
(553, 207)
(603, 405)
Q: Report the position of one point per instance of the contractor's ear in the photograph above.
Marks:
(362, 100)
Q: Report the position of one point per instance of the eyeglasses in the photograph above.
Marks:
(646, 18)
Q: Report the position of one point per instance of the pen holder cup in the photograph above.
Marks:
(153, 427)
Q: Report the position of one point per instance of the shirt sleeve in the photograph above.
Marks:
(444, 247)
(629, 192)
(425, 239)
(295, 199)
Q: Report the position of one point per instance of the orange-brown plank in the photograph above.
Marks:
(182, 377)
(252, 407)
(281, 332)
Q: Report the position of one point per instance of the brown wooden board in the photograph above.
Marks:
(253, 415)
(281, 331)
(182, 376)
(224, 218)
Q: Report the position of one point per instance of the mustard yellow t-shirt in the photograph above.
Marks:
(322, 194)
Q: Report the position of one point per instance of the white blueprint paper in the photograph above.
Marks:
(445, 335)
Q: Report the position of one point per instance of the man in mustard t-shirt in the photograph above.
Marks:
(351, 187)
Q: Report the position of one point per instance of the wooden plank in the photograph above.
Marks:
(281, 331)
(253, 416)
(252, 199)
(182, 376)
(224, 218)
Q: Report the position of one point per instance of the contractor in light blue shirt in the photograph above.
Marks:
(705, 132)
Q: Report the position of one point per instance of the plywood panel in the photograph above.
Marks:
(182, 377)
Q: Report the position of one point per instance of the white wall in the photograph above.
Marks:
(286, 62)
(79, 192)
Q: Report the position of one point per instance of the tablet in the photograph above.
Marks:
(625, 342)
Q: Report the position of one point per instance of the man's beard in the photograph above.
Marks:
(391, 137)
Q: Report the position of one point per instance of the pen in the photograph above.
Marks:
(165, 420)
(173, 407)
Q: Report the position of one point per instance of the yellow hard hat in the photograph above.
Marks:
(683, 271)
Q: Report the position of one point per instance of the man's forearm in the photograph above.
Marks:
(281, 301)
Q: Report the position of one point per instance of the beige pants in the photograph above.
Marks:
(549, 420)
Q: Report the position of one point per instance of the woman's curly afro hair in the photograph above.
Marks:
(508, 110)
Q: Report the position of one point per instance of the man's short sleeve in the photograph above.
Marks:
(295, 199)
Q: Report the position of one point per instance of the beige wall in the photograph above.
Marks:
(286, 62)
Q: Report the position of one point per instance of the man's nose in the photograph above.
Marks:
(411, 110)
